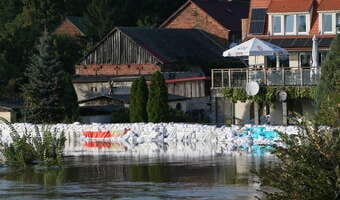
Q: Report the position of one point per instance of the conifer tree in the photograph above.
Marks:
(138, 101)
(133, 101)
(157, 107)
(98, 19)
(43, 90)
(142, 100)
(328, 92)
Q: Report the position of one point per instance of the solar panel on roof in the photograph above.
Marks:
(258, 16)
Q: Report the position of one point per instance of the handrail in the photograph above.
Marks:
(238, 77)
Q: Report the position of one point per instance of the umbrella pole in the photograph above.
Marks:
(277, 61)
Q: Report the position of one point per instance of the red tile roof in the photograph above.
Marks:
(329, 5)
(282, 6)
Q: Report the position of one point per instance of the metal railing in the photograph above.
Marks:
(239, 77)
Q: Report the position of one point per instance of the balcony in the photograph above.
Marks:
(222, 78)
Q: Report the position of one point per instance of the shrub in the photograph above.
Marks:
(44, 149)
(309, 167)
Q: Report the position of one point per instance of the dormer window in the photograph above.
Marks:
(290, 24)
(302, 24)
(329, 22)
(277, 24)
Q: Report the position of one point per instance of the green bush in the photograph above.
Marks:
(44, 149)
(308, 167)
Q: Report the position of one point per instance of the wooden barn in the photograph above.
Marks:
(136, 51)
(184, 57)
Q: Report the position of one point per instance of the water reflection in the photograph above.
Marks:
(88, 177)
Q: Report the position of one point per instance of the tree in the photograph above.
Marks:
(68, 50)
(133, 101)
(43, 91)
(46, 14)
(98, 19)
(308, 167)
(157, 106)
(328, 92)
(142, 100)
(139, 99)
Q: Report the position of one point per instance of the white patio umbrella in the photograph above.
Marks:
(315, 52)
(256, 47)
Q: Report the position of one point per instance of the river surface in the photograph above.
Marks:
(109, 177)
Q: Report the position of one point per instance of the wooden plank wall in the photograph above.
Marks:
(119, 49)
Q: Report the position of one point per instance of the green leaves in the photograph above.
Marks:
(48, 92)
(328, 91)
(268, 94)
(308, 167)
(138, 101)
(157, 106)
(45, 148)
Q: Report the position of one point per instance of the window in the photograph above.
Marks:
(277, 24)
(327, 23)
(302, 27)
(289, 24)
(338, 22)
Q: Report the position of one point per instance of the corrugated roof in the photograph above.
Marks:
(329, 5)
(176, 45)
(227, 13)
(282, 6)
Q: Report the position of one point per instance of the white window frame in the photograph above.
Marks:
(332, 25)
(298, 24)
(337, 28)
(281, 23)
(294, 25)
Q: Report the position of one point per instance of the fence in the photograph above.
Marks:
(239, 77)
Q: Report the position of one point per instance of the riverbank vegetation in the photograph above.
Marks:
(44, 148)
(310, 161)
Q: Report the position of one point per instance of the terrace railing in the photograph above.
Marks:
(239, 77)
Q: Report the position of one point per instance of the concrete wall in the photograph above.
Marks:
(242, 112)
(276, 113)
(88, 90)
(8, 115)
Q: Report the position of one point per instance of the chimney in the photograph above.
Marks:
(244, 28)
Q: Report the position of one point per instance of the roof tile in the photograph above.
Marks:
(329, 5)
(282, 6)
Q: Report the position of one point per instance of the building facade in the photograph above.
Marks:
(291, 25)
